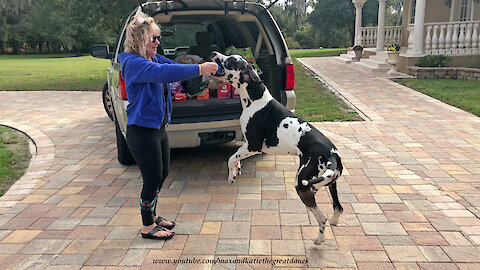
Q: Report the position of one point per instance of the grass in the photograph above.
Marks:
(316, 103)
(14, 157)
(316, 52)
(52, 72)
(462, 94)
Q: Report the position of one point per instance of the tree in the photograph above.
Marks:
(11, 12)
(394, 12)
(334, 21)
(68, 25)
(296, 10)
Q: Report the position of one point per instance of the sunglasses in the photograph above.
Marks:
(156, 38)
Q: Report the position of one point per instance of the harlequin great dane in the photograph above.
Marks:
(269, 127)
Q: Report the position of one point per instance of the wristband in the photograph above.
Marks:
(199, 70)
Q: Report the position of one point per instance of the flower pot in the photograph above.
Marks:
(393, 59)
(358, 54)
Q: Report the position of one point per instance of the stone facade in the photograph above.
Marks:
(459, 73)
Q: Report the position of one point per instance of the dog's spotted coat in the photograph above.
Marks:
(269, 127)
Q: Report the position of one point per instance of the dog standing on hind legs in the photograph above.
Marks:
(269, 127)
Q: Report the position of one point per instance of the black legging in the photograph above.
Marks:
(150, 149)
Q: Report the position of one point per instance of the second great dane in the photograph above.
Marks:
(269, 127)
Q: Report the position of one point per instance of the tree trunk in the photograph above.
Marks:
(77, 50)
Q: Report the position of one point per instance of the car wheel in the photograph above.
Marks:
(107, 101)
(123, 152)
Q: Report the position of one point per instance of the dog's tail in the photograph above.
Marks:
(331, 174)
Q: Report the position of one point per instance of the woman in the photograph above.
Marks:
(150, 107)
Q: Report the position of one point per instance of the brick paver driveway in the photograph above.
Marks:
(409, 190)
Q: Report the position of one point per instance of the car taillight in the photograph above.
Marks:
(121, 87)
(290, 84)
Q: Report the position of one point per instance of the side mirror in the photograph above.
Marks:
(101, 51)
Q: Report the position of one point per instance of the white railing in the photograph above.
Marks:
(452, 38)
(368, 36)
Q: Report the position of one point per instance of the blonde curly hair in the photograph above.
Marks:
(138, 34)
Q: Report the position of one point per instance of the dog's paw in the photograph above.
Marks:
(320, 238)
(231, 178)
(333, 221)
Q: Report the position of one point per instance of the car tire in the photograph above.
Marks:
(123, 152)
(107, 101)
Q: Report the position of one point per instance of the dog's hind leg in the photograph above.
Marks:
(234, 166)
(337, 207)
(308, 198)
(307, 195)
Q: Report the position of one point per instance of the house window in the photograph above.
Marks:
(465, 10)
(412, 12)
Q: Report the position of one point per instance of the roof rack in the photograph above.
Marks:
(164, 7)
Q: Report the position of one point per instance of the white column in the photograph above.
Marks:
(382, 7)
(418, 27)
(472, 10)
(453, 6)
(358, 19)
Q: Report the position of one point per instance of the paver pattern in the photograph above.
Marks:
(409, 190)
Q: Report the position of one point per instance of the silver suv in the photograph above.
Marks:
(193, 27)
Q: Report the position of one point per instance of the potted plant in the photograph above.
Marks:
(393, 57)
(358, 51)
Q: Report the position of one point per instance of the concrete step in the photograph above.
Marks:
(346, 58)
(382, 54)
(379, 58)
(375, 64)
(372, 68)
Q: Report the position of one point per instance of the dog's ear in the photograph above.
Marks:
(249, 74)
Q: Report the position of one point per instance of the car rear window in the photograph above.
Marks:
(183, 34)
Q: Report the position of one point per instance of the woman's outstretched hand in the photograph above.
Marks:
(208, 68)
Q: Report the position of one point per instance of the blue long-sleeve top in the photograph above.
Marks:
(144, 85)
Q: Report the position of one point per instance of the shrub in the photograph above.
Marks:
(291, 43)
(433, 61)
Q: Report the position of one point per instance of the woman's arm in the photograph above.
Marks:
(138, 69)
(141, 70)
(165, 60)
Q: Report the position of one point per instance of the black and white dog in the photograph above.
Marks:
(269, 127)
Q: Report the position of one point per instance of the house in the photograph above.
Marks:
(429, 27)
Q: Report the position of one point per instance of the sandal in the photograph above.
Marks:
(151, 234)
(160, 219)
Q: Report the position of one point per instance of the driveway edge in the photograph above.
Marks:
(41, 161)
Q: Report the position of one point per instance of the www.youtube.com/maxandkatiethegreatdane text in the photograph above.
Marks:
(231, 261)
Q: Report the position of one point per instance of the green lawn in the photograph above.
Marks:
(315, 103)
(14, 157)
(462, 94)
(316, 52)
(52, 72)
